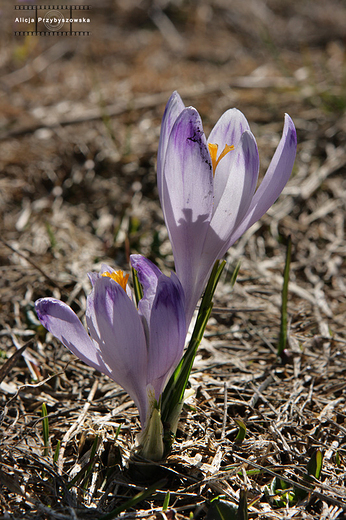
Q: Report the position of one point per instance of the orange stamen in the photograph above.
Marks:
(118, 277)
(213, 154)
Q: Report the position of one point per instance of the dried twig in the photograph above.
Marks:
(140, 103)
(75, 426)
(34, 264)
(10, 363)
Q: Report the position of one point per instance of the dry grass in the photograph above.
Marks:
(78, 187)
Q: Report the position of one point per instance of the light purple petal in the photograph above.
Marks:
(188, 194)
(64, 324)
(175, 280)
(172, 110)
(227, 131)
(95, 276)
(229, 128)
(231, 209)
(188, 172)
(238, 191)
(167, 332)
(106, 269)
(274, 180)
(148, 275)
(162, 306)
(114, 324)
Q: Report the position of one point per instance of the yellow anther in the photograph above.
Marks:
(213, 154)
(118, 276)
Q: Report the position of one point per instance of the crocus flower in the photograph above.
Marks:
(207, 187)
(137, 348)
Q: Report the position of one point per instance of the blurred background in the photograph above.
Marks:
(80, 116)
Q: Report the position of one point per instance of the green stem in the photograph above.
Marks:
(172, 398)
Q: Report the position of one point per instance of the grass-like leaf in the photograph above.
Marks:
(86, 470)
(91, 462)
(56, 453)
(289, 494)
(136, 286)
(117, 432)
(235, 273)
(314, 466)
(166, 501)
(242, 512)
(174, 391)
(221, 510)
(51, 235)
(45, 429)
(241, 432)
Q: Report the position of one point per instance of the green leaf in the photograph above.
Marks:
(151, 438)
(242, 513)
(282, 493)
(221, 510)
(56, 453)
(117, 432)
(173, 394)
(314, 466)
(136, 286)
(241, 432)
(86, 470)
(284, 298)
(166, 501)
(51, 235)
(91, 462)
(45, 429)
(235, 273)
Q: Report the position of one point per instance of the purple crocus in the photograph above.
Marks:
(137, 348)
(207, 188)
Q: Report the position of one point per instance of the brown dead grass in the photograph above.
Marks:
(78, 187)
